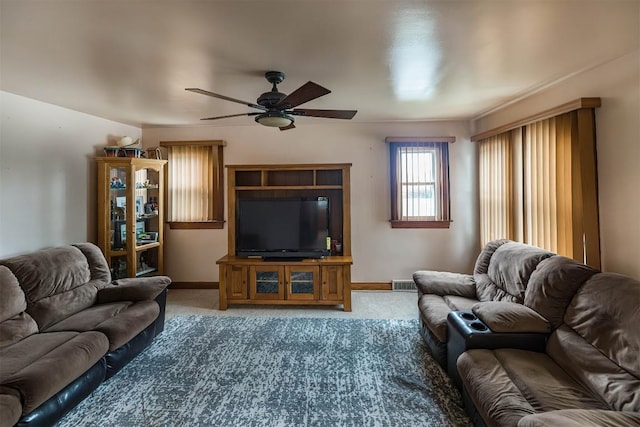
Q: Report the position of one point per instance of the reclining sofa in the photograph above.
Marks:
(65, 327)
(583, 371)
(587, 375)
(501, 274)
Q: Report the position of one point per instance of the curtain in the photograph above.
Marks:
(190, 179)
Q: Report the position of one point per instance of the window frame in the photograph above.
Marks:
(216, 220)
(443, 209)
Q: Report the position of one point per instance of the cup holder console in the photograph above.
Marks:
(467, 315)
(478, 326)
(468, 322)
(466, 331)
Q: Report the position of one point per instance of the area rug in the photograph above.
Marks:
(230, 371)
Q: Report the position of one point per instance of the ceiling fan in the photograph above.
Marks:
(276, 108)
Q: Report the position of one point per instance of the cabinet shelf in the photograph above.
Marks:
(145, 271)
(145, 246)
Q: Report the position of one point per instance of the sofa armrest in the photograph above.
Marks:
(581, 418)
(510, 317)
(444, 283)
(134, 289)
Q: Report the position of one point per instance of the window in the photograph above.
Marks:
(419, 172)
(538, 182)
(195, 195)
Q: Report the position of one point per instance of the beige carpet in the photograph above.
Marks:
(365, 305)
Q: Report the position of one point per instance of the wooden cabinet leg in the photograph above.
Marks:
(222, 288)
(347, 290)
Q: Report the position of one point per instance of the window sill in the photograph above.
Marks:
(419, 224)
(196, 225)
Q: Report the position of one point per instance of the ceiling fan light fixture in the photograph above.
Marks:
(276, 119)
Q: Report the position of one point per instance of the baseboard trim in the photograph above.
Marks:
(375, 286)
(194, 285)
(355, 286)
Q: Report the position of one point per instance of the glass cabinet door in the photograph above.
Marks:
(302, 282)
(147, 219)
(266, 282)
(118, 175)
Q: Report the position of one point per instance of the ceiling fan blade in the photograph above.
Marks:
(226, 98)
(230, 115)
(330, 114)
(304, 93)
(291, 126)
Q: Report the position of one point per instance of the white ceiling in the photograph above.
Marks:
(130, 60)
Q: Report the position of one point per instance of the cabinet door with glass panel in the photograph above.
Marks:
(301, 282)
(130, 215)
(272, 282)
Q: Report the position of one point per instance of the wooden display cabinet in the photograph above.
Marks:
(131, 215)
(325, 281)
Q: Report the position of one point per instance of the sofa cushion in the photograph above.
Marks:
(510, 317)
(600, 341)
(508, 384)
(98, 267)
(588, 366)
(581, 418)
(605, 312)
(118, 321)
(41, 365)
(482, 262)
(18, 327)
(12, 301)
(56, 281)
(10, 407)
(484, 378)
(434, 310)
(15, 323)
(445, 283)
(459, 303)
(552, 286)
(509, 271)
(134, 289)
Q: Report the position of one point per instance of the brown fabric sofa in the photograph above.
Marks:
(501, 274)
(65, 328)
(589, 373)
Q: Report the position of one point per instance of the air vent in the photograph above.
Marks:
(406, 285)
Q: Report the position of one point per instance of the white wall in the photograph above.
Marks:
(618, 146)
(47, 173)
(380, 253)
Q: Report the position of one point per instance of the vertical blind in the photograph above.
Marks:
(496, 187)
(548, 191)
(538, 185)
(190, 183)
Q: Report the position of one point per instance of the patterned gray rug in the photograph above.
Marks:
(230, 371)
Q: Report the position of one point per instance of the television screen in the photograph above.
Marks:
(296, 228)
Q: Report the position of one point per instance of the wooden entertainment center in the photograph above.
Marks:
(325, 281)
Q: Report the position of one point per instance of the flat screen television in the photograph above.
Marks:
(282, 228)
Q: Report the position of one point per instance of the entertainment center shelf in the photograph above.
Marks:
(324, 281)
